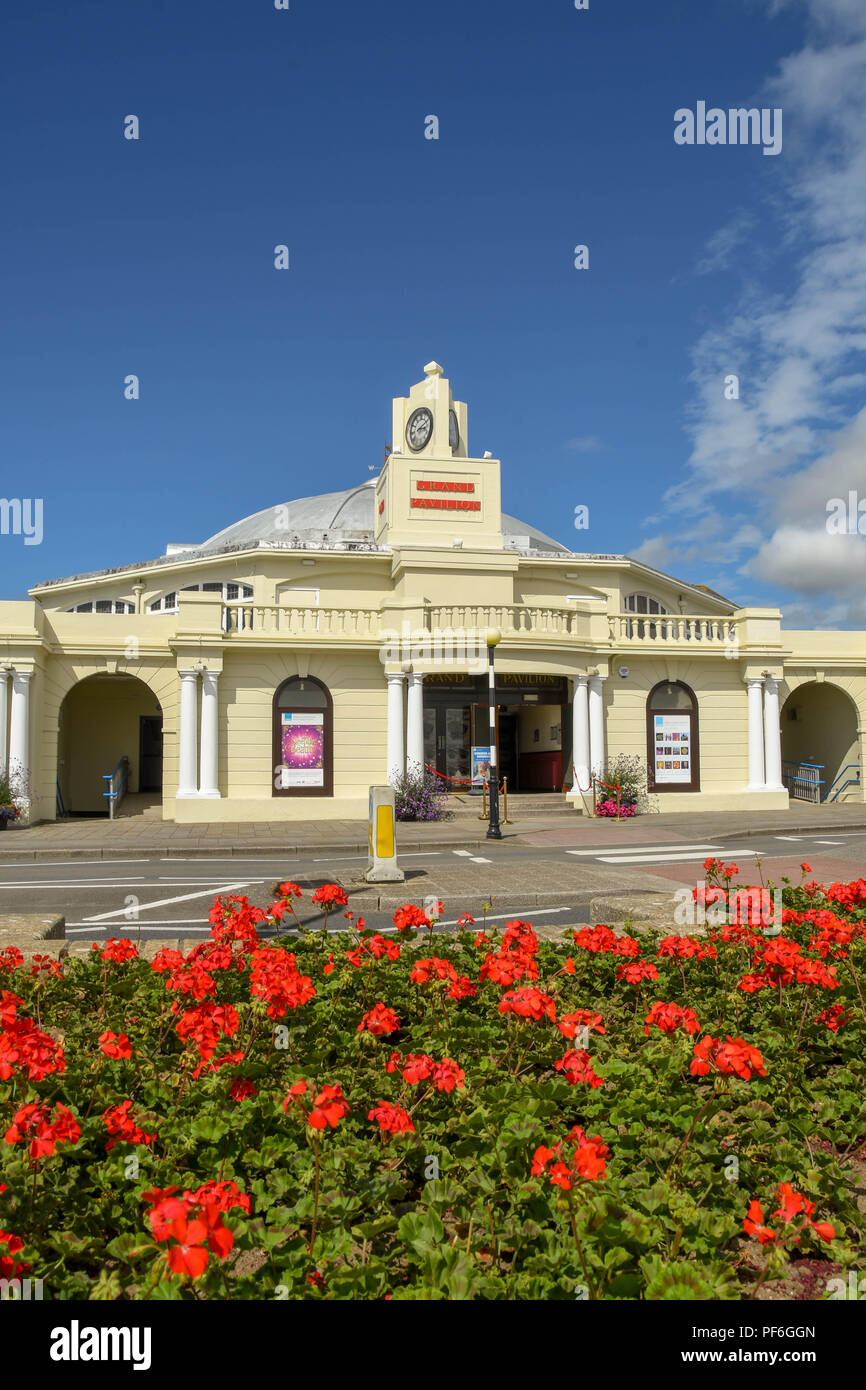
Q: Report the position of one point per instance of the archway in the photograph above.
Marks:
(819, 730)
(103, 719)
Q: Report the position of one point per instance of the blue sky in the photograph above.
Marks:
(306, 127)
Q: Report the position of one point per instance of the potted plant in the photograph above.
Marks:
(8, 809)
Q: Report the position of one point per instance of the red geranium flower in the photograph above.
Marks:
(410, 916)
(331, 895)
(118, 949)
(446, 1075)
(379, 1020)
(329, 1107)
(577, 1066)
(392, 1119)
(115, 1045)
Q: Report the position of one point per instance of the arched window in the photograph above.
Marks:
(642, 603)
(235, 617)
(303, 738)
(103, 605)
(673, 752)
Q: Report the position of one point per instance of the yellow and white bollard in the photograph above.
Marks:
(382, 838)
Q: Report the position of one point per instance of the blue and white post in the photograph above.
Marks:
(494, 637)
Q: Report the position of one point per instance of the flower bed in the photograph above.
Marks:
(409, 1116)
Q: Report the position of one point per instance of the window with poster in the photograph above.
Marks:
(303, 739)
(673, 753)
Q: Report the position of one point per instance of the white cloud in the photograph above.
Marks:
(769, 461)
(584, 444)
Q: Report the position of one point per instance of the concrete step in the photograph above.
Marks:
(520, 806)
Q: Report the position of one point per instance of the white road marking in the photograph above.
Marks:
(478, 859)
(638, 849)
(166, 902)
(160, 922)
(420, 854)
(464, 853)
(77, 883)
(116, 883)
(69, 863)
(828, 842)
(662, 858)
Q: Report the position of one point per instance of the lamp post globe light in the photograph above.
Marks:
(493, 638)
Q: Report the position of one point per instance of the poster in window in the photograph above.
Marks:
(674, 730)
(302, 750)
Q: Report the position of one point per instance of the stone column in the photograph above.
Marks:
(187, 769)
(415, 722)
(772, 737)
(396, 757)
(755, 686)
(580, 735)
(209, 761)
(19, 727)
(596, 725)
(4, 718)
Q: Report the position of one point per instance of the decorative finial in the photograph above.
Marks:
(433, 369)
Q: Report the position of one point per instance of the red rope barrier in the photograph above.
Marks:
(611, 786)
(577, 781)
(465, 781)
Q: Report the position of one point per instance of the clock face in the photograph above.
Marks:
(453, 430)
(419, 428)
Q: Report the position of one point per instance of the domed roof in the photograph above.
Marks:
(341, 516)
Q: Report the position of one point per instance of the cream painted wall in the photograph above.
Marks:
(722, 718)
(539, 717)
(246, 692)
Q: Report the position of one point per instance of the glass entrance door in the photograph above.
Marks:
(446, 740)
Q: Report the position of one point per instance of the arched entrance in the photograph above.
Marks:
(103, 719)
(819, 729)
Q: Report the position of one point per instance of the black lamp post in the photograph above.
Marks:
(494, 637)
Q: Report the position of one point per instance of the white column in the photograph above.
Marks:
(415, 724)
(755, 685)
(772, 736)
(19, 728)
(580, 736)
(4, 718)
(209, 761)
(596, 725)
(396, 757)
(187, 769)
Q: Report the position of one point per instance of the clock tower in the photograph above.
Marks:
(431, 492)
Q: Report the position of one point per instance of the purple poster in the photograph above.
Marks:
(303, 750)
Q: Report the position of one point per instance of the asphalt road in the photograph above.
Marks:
(166, 897)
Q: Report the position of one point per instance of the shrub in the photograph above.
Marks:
(421, 796)
(627, 772)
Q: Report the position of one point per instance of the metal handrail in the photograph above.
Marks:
(855, 780)
(118, 782)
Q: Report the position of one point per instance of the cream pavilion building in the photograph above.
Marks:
(278, 669)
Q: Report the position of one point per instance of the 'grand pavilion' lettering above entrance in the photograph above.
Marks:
(327, 643)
